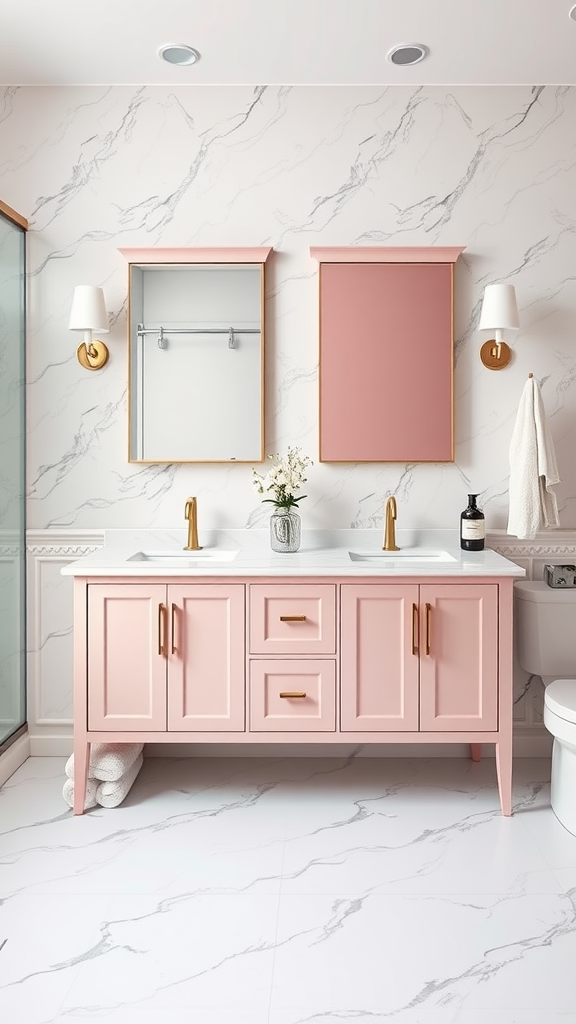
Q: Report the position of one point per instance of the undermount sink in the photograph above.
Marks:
(406, 556)
(183, 558)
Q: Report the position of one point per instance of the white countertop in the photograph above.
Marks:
(159, 553)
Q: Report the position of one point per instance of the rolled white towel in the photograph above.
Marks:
(108, 761)
(90, 798)
(111, 794)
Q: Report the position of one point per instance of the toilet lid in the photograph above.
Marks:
(560, 697)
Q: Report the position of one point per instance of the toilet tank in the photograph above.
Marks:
(545, 629)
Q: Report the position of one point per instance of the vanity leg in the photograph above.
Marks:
(504, 772)
(81, 762)
(476, 751)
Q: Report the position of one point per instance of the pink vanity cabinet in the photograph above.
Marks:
(322, 660)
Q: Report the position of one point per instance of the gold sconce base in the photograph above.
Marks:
(92, 356)
(495, 354)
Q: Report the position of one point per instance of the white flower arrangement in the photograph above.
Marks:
(285, 477)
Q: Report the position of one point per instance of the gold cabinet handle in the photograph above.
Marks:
(288, 695)
(292, 618)
(173, 628)
(161, 628)
(415, 628)
(428, 627)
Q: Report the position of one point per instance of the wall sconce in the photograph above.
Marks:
(499, 313)
(89, 314)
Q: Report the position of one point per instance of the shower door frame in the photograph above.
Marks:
(20, 698)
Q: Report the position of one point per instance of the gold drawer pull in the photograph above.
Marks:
(415, 628)
(288, 695)
(292, 618)
(161, 628)
(428, 627)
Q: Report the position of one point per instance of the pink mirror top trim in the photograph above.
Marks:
(387, 254)
(195, 254)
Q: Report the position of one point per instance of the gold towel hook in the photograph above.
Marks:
(530, 375)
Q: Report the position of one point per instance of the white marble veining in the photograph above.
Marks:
(288, 891)
(95, 169)
(322, 553)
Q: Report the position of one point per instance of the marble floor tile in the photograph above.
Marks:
(286, 891)
(44, 940)
(391, 955)
(207, 1015)
(446, 1015)
(183, 952)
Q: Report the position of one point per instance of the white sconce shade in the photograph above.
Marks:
(499, 313)
(88, 311)
(89, 314)
(499, 309)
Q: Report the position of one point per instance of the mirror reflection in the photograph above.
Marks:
(196, 362)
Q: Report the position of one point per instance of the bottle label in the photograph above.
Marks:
(473, 529)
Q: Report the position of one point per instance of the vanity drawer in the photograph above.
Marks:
(293, 619)
(292, 696)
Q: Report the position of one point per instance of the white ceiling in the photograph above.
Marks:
(336, 42)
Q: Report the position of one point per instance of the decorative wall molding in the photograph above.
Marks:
(534, 550)
(553, 544)
(69, 543)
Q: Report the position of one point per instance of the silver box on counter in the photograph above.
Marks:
(560, 575)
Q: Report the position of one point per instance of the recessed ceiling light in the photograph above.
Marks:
(572, 13)
(178, 53)
(407, 53)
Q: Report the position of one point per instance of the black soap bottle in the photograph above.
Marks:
(472, 526)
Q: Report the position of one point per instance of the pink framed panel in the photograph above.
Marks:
(386, 355)
(386, 359)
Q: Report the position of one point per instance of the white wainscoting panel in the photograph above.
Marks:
(50, 624)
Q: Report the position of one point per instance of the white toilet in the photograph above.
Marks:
(545, 625)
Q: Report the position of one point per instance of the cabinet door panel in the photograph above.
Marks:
(312, 706)
(126, 672)
(459, 677)
(206, 669)
(379, 671)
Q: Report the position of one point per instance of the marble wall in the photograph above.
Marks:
(97, 168)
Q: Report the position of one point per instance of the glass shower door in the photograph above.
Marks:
(12, 477)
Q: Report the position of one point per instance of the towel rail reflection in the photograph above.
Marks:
(142, 331)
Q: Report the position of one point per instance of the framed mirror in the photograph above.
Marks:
(386, 353)
(196, 355)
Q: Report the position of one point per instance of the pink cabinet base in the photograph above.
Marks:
(441, 697)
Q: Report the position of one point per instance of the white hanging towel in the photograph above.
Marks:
(533, 469)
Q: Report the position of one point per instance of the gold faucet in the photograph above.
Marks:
(190, 515)
(390, 530)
